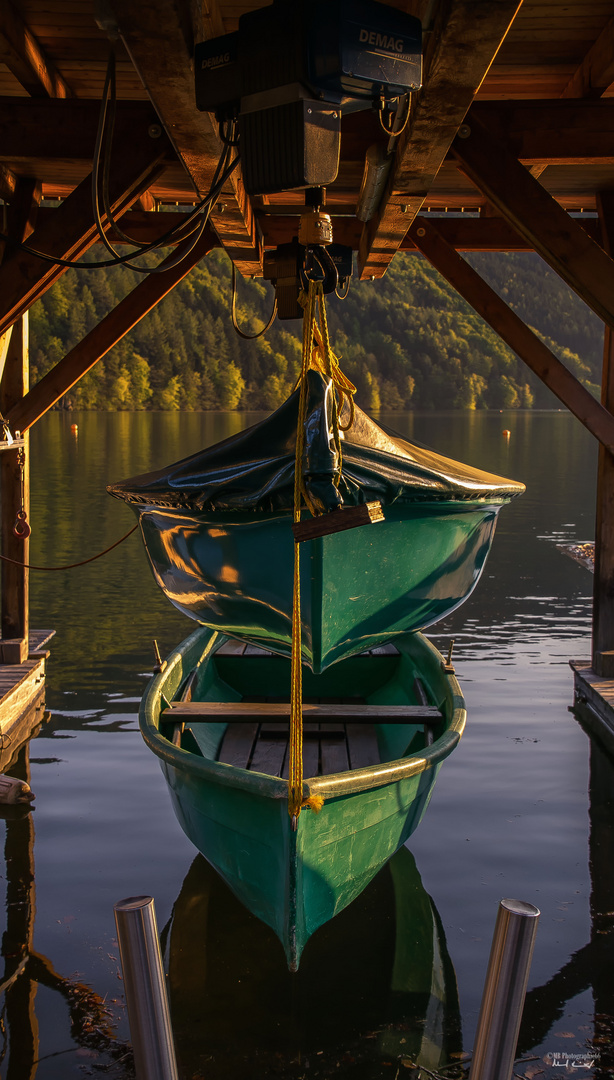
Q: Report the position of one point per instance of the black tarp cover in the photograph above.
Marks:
(254, 470)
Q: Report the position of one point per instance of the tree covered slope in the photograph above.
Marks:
(408, 341)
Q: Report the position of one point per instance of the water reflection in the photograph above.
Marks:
(26, 970)
(591, 966)
(375, 985)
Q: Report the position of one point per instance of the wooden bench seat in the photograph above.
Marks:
(238, 712)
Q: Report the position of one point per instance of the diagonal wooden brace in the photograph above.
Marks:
(105, 335)
(137, 161)
(514, 332)
(530, 209)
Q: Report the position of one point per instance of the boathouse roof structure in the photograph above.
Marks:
(509, 145)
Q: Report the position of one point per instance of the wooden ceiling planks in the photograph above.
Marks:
(22, 54)
(548, 45)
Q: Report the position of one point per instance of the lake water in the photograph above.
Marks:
(518, 810)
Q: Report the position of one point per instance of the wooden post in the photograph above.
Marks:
(603, 589)
(15, 487)
(15, 464)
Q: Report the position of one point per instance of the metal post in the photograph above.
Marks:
(148, 1011)
(504, 991)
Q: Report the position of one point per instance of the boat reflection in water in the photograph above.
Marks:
(376, 984)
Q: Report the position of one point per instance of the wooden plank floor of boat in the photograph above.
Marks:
(327, 747)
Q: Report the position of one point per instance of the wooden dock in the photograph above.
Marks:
(22, 689)
(594, 702)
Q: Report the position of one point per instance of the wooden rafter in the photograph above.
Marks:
(55, 130)
(24, 277)
(23, 55)
(469, 39)
(105, 335)
(528, 207)
(553, 132)
(557, 132)
(464, 233)
(160, 47)
(514, 332)
(596, 72)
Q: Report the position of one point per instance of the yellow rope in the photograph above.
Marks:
(317, 353)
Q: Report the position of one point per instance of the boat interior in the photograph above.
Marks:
(373, 708)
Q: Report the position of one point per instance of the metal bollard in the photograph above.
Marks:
(504, 991)
(148, 1011)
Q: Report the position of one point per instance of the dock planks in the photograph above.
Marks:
(21, 693)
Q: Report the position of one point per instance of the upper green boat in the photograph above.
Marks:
(217, 530)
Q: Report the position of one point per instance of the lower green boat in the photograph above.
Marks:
(376, 729)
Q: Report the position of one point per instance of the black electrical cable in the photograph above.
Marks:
(233, 312)
(109, 92)
(175, 234)
(231, 138)
(160, 242)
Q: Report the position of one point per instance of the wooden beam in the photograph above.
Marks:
(469, 39)
(15, 488)
(105, 335)
(138, 160)
(551, 132)
(514, 332)
(464, 233)
(65, 129)
(23, 55)
(161, 47)
(484, 234)
(603, 584)
(143, 226)
(15, 464)
(529, 209)
(596, 72)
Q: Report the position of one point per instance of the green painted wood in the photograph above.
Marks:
(358, 589)
(296, 881)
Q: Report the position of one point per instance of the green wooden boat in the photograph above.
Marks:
(217, 531)
(377, 728)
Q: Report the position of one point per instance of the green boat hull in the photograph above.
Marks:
(296, 881)
(359, 588)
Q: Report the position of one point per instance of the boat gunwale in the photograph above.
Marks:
(261, 784)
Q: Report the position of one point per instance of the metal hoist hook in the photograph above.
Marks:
(21, 528)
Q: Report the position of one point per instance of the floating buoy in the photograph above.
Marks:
(74, 428)
(506, 433)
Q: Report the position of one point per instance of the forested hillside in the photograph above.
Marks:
(407, 341)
